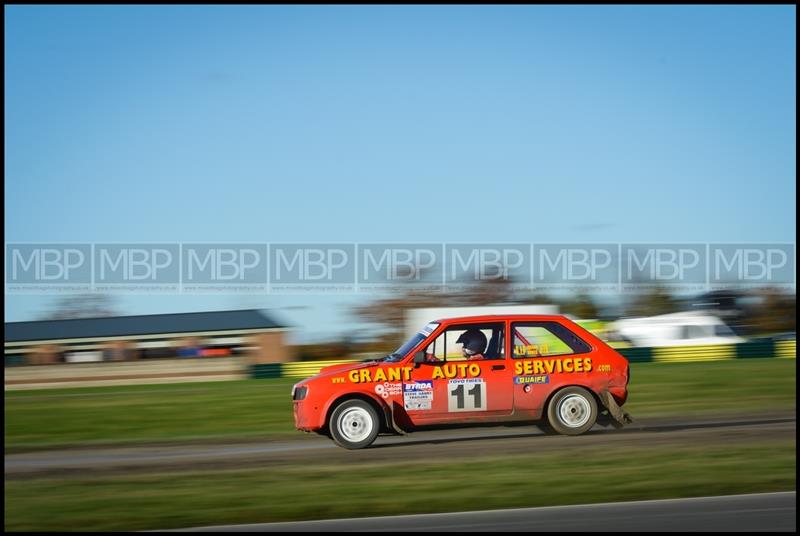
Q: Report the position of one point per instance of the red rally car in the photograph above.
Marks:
(483, 369)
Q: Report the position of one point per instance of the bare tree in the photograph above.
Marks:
(581, 306)
(389, 313)
(653, 301)
(775, 311)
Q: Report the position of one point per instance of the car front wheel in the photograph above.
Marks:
(572, 411)
(354, 424)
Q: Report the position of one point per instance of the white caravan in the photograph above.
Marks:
(675, 329)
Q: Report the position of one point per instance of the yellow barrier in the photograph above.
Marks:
(694, 353)
(304, 369)
(786, 349)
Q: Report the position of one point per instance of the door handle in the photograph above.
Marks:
(498, 367)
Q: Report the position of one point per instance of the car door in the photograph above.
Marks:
(452, 389)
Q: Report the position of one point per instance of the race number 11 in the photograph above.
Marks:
(466, 395)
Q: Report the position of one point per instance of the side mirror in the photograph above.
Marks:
(419, 357)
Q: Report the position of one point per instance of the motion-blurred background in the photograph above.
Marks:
(205, 203)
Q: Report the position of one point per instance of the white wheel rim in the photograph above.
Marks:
(355, 424)
(574, 411)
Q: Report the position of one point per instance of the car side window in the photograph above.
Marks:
(447, 348)
(699, 332)
(545, 339)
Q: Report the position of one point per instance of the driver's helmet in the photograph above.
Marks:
(474, 341)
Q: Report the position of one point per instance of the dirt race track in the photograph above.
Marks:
(462, 443)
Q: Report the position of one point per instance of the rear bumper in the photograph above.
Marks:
(614, 410)
(620, 394)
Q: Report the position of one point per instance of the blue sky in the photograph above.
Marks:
(395, 123)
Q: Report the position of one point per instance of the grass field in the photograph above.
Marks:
(262, 408)
(323, 490)
(318, 488)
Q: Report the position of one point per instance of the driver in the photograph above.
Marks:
(473, 343)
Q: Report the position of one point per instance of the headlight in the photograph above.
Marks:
(299, 393)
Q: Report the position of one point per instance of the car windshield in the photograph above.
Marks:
(417, 338)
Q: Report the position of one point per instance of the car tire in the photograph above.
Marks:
(545, 427)
(354, 424)
(572, 411)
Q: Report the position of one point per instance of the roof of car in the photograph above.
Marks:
(490, 318)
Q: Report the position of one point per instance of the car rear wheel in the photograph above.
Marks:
(545, 427)
(354, 424)
(572, 411)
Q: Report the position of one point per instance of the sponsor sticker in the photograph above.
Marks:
(466, 394)
(418, 395)
(520, 380)
(387, 389)
(427, 330)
